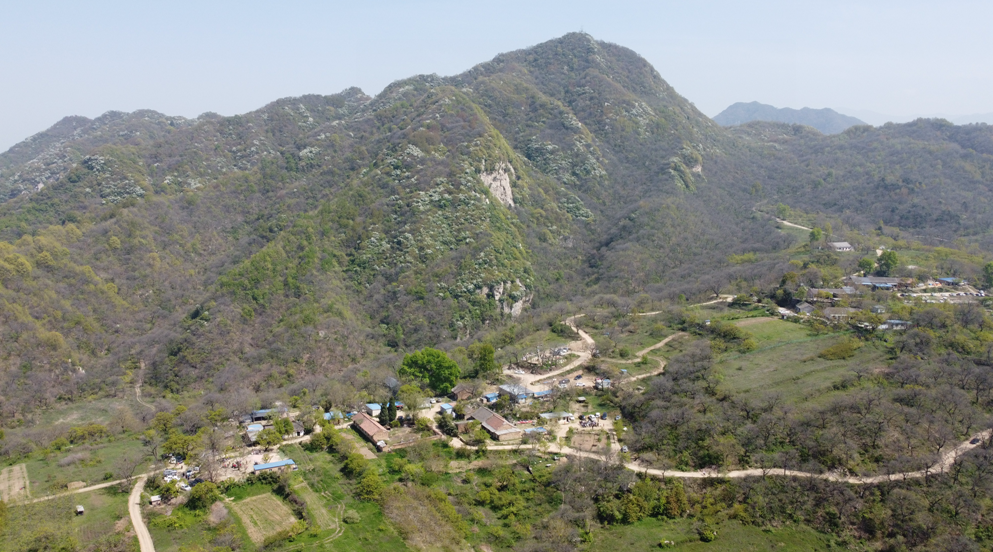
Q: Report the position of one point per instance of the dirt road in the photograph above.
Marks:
(783, 222)
(582, 347)
(943, 464)
(134, 509)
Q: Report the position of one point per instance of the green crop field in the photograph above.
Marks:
(786, 361)
(263, 516)
(645, 535)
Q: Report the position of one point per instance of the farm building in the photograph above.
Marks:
(895, 325)
(499, 428)
(373, 409)
(601, 383)
(841, 246)
(447, 409)
(490, 397)
(281, 465)
(370, 428)
(543, 395)
(878, 309)
(80, 510)
(155, 500)
(805, 308)
(334, 416)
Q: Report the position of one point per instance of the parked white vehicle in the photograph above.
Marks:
(184, 487)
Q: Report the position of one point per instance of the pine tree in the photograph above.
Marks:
(391, 411)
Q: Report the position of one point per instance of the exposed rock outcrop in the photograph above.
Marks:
(498, 181)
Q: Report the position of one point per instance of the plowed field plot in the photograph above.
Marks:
(263, 516)
(591, 441)
(14, 483)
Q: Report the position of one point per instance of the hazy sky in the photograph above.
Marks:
(902, 58)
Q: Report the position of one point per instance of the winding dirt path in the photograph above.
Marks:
(947, 459)
(783, 222)
(134, 509)
(582, 347)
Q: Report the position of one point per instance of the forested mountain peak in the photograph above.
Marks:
(322, 232)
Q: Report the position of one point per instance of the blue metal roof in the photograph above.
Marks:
(271, 465)
(535, 430)
(543, 393)
(333, 414)
(491, 395)
(254, 427)
(374, 406)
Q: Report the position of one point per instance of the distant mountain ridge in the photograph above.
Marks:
(825, 120)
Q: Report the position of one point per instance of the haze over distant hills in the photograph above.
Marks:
(878, 119)
(825, 120)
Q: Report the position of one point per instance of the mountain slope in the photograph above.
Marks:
(325, 234)
(825, 120)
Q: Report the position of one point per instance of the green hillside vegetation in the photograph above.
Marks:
(160, 276)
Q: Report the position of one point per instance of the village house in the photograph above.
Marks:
(839, 314)
(494, 424)
(462, 392)
(370, 428)
(516, 392)
(841, 246)
(373, 409)
(880, 282)
(805, 308)
(252, 432)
